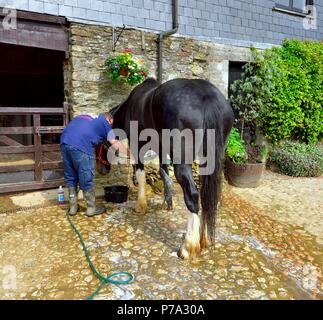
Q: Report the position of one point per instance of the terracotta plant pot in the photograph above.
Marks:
(243, 175)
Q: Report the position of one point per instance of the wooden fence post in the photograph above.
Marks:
(38, 150)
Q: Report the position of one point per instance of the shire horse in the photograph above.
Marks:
(181, 104)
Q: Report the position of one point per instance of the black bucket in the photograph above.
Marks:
(116, 194)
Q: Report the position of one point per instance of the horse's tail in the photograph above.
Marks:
(211, 182)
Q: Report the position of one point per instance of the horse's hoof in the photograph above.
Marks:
(183, 254)
(188, 251)
(141, 207)
(204, 243)
(167, 206)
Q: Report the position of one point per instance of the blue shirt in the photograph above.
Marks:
(85, 133)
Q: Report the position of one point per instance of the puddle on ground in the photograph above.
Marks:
(254, 257)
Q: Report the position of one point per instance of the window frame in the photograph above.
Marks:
(293, 10)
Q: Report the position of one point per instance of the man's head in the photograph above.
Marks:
(109, 117)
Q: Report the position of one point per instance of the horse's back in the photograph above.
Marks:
(187, 101)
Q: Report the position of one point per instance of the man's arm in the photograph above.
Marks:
(118, 145)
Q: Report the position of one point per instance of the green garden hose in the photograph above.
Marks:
(104, 280)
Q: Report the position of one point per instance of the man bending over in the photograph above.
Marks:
(78, 142)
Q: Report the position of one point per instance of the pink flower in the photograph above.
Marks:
(127, 50)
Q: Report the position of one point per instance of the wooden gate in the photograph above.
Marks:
(42, 162)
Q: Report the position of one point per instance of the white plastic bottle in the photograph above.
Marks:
(60, 195)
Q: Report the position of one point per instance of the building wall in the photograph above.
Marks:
(87, 88)
(223, 21)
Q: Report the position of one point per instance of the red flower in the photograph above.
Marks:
(127, 50)
(144, 73)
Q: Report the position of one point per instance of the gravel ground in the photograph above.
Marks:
(295, 201)
(255, 256)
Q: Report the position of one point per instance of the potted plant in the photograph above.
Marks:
(244, 163)
(125, 68)
(249, 95)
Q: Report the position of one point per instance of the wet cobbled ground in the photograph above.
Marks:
(255, 255)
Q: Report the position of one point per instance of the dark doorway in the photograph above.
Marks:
(235, 72)
(30, 78)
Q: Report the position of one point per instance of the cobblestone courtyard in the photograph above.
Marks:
(263, 250)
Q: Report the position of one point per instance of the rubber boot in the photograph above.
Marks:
(72, 195)
(92, 210)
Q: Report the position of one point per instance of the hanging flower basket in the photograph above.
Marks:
(124, 72)
(125, 68)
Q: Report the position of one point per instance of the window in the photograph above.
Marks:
(297, 7)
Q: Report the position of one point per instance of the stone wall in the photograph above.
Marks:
(87, 89)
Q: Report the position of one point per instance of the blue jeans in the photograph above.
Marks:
(78, 167)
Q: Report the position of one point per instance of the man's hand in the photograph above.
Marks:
(118, 145)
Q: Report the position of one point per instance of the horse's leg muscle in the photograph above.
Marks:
(167, 186)
(191, 245)
(141, 205)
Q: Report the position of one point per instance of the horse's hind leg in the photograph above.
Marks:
(141, 205)
(204, 240)
(167, 186)
(134, 178)
(191, 245)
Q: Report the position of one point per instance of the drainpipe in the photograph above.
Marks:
(163, 35)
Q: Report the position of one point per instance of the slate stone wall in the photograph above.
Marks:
(226, 21)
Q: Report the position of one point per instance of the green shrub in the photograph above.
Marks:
(298, 159)
(236, 149)
(240, 152)
(281, 90)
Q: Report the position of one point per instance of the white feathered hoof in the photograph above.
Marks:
(189, 250)
(191, 246)
(141, 206)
